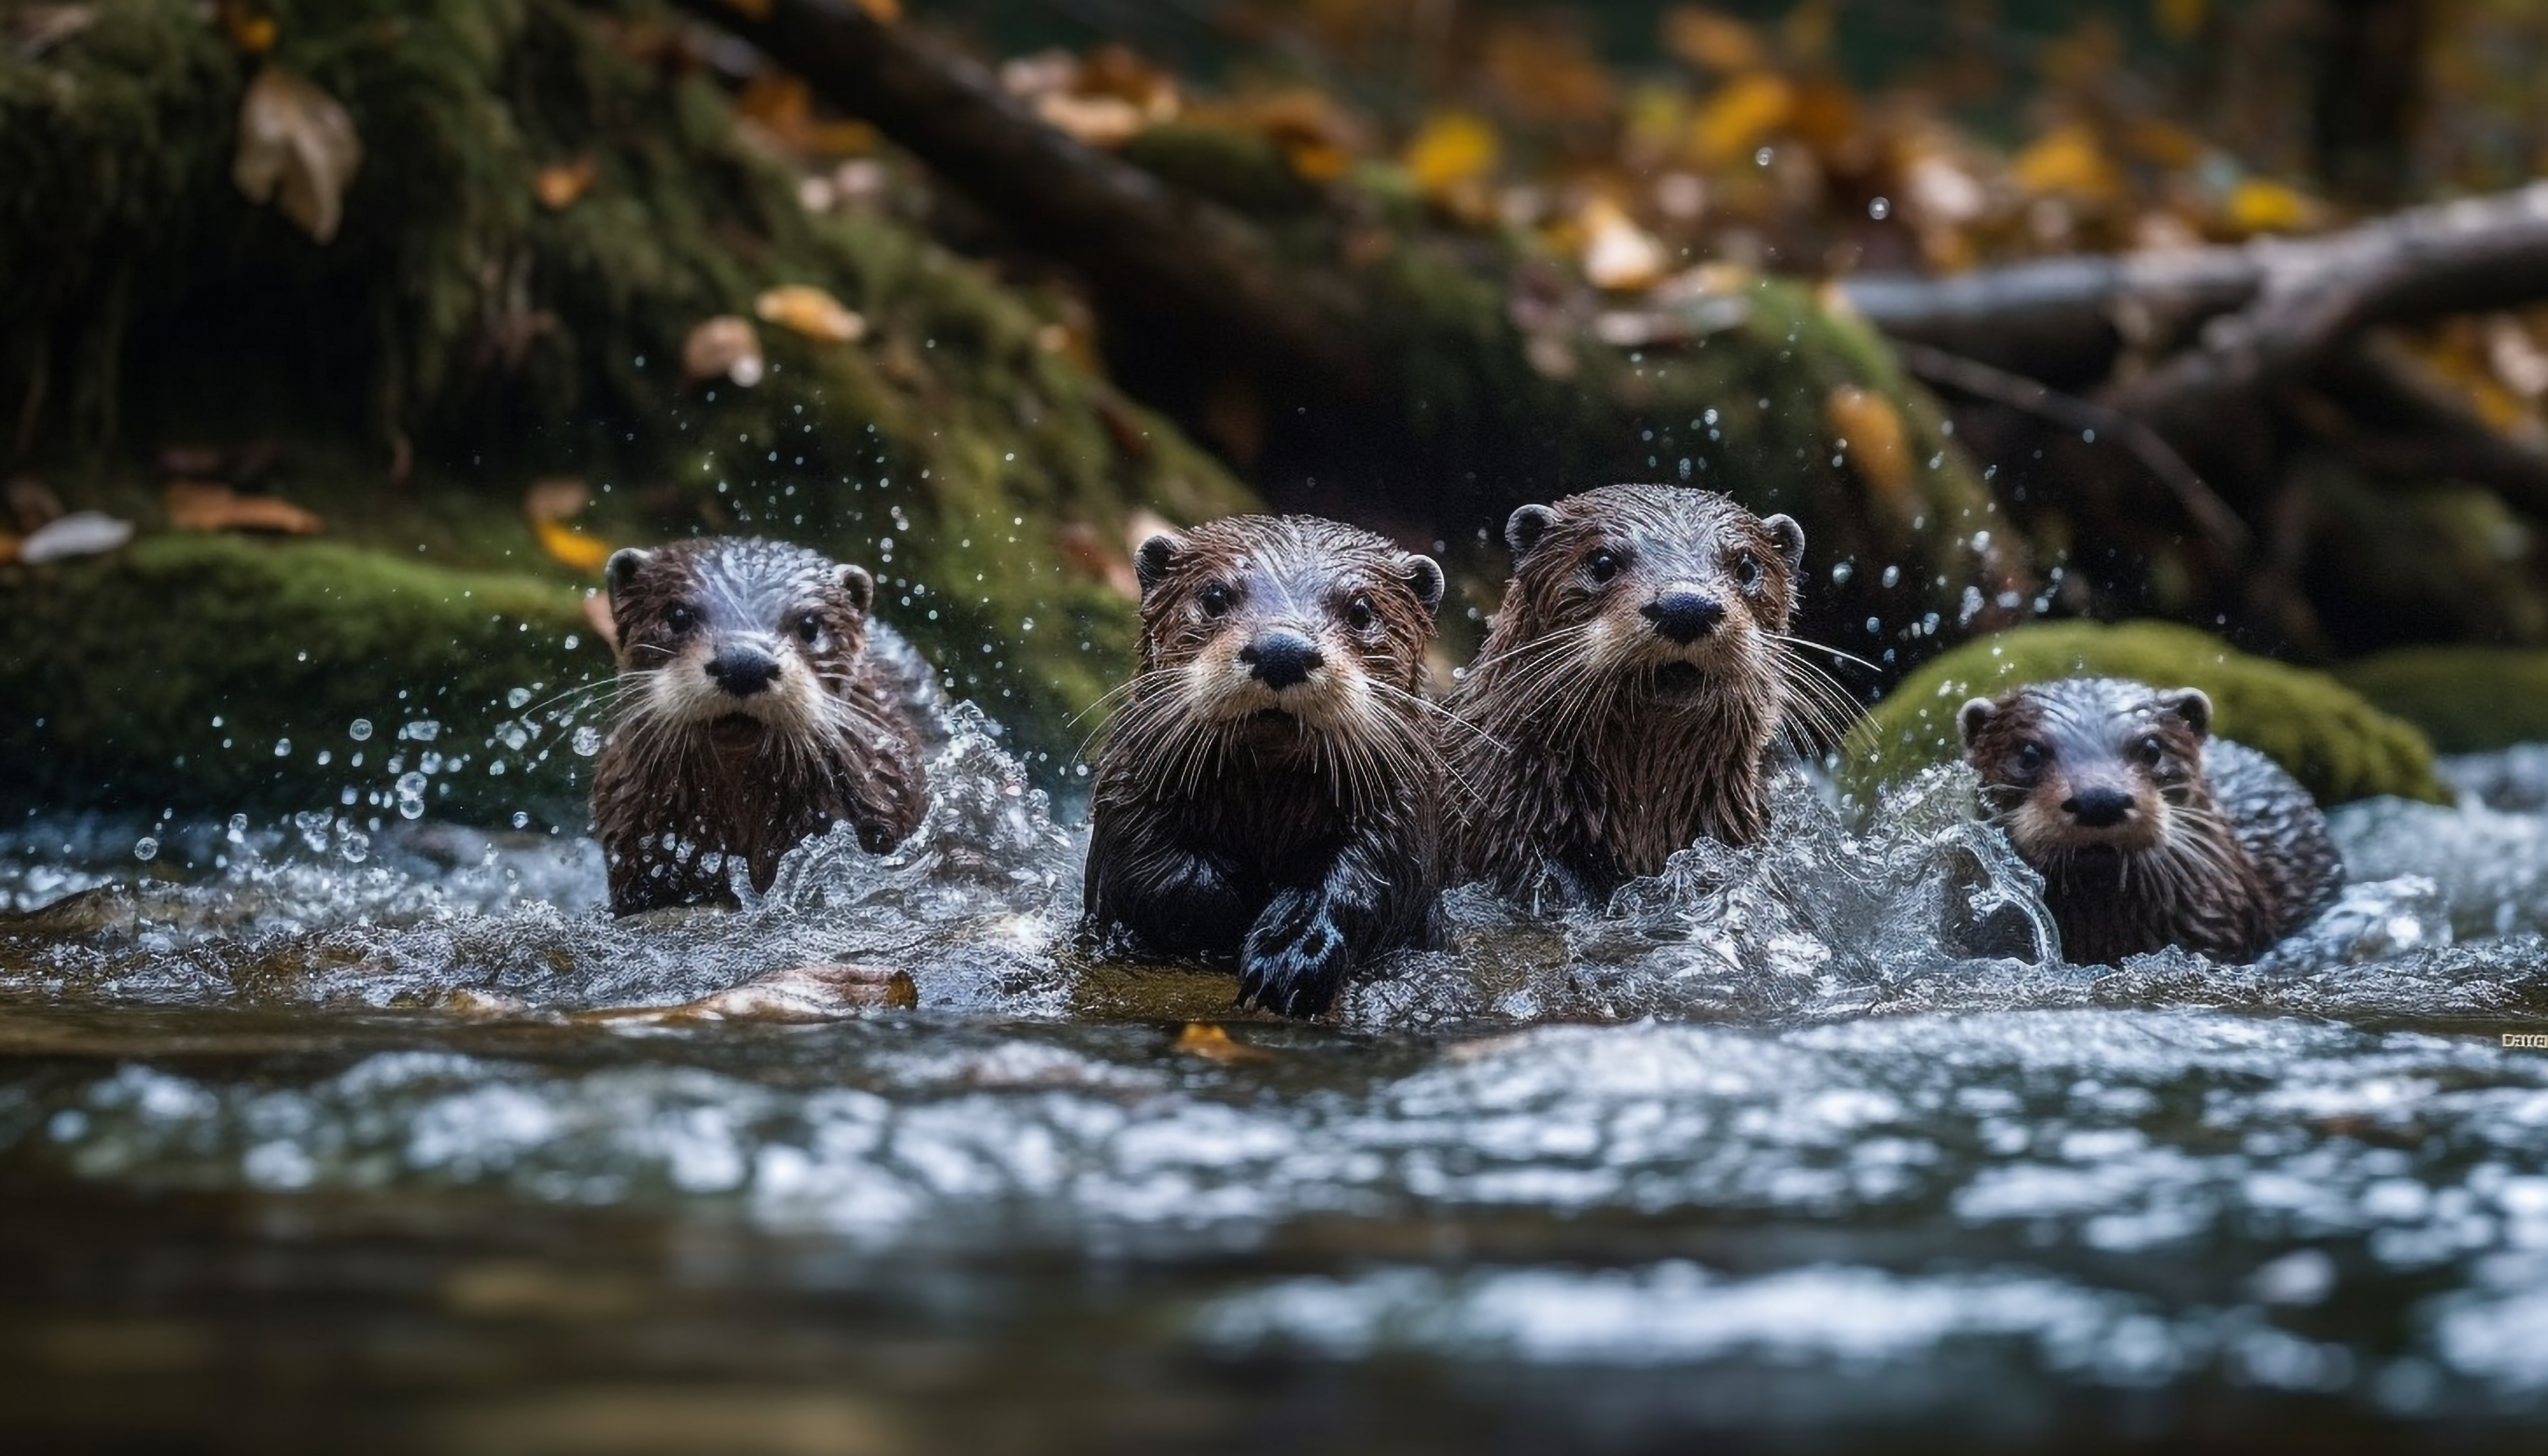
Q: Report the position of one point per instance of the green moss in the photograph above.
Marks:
(2467, 699)
(223, 672)
(2329, 738)
(497, 339)
(1742, 407)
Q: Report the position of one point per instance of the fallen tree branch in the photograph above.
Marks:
(2294, 298)
(2201, 503)
(1140, 240)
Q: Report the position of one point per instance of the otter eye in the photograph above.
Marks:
(1602, 567)
(809, 628)
(1747, 569)
(2027, 760)
(681, 616)
(2150, 751)
(1360, 613)
(1215, 599)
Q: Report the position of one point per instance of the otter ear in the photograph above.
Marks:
(623, 568)
(1791, 538)
(860, 585)
(2191, 704)
(1972, 715)
(1524, 527)
(1424, 577)
(1151, 561)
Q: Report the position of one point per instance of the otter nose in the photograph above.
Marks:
(1280, 657)
(742, 671)
(2098, 808)
(1685, 616)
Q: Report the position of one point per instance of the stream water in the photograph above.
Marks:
(318, 1136)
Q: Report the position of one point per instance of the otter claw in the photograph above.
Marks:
(1294, 960)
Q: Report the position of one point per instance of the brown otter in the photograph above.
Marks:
(1271, 788)
(1627, 697)
(2146, 834)
(751, 717)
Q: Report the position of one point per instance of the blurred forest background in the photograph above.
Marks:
(2223, 313)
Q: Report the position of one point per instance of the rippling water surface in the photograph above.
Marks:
(332, 1135)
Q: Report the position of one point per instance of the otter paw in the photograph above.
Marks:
(1294, 958)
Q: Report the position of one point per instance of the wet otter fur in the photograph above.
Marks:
(750, 717)
(1628, 697)
(1271, 788)
(2148, 831)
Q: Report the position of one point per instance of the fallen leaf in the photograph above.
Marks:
(80, 533)
(2257, 205)
(211, 505)
(798, 994)
(2067, 160)
(1210, 1042)
(726, 345)
(297, 150)
(559, 184)
(802, 307)
(566, 544)
(1617, 253)
(1742, 113)
(1867, 431)
(1453, 149)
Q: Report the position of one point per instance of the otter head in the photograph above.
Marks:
(737, 636)
(1283, 627)
(1663, 592)
(2087, 766)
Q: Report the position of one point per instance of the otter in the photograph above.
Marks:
(1627, 697)
(1271, 790)
(2148, 832)
(751, 717)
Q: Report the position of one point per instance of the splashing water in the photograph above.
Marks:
(1824, 1107)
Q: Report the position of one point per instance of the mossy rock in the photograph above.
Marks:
(2467, 699)
(2324, 733)
(227, 674)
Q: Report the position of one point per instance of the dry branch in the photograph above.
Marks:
(2275, 308)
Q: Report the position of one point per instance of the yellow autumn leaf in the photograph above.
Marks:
(564, 545)
(2070, 160)
(1212, 1044)
(2260, 205)
(1732, 121)
(1452, 147)
(1867, 430)
(802, 307)
(1713, 39)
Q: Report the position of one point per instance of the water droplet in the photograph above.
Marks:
(283, 748)
(521, 819)
(1880, 208)
(518, 697)
(145, 847)
(588, 741)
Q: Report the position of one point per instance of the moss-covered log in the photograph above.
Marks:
(2324, 732)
